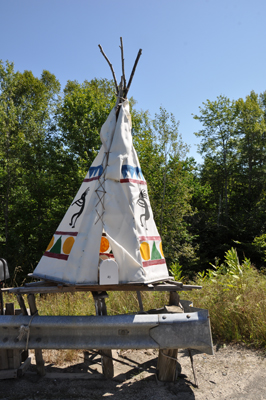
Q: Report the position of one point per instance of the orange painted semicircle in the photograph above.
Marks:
(68, 243)
(145, 251)
(104, 245)
(50, 244)
(161, 249)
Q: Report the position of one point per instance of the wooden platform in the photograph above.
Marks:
(53, 287)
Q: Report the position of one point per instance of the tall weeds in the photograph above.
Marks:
(235, 295)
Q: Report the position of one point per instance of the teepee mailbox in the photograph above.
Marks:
(108, 240)
(110, 218)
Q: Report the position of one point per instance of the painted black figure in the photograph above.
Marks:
(81, 203)
(143, 203)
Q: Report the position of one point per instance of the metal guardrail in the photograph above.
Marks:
(161, 331)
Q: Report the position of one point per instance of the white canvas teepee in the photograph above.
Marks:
(109, 219)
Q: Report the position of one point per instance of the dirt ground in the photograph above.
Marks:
(234, 372)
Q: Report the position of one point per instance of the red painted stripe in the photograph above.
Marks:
(54, 255)
(66, 233)
(91, 179)
(153, 262)
(107, 254)
(133, 181)
(141, 238)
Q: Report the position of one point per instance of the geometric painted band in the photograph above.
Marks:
(55, 255)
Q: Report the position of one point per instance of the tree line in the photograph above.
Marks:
(49, 138)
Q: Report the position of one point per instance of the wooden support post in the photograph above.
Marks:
(3, 359)
(1, 301)
(167, 359)
(38, 352)
(25, 353)
(140, 301)
(107, 362)
(3, 352)
(22, 304)
(14, 360)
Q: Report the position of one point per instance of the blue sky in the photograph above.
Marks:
(193, 50)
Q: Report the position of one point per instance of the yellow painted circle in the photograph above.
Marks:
(50, 244)
(145, 251)
(161, 249)
(68, 243)
(104, 245)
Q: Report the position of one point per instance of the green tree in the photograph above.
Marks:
(162, 156)
(251, 149)
(84, 109)
(218, 146)
(29, 164)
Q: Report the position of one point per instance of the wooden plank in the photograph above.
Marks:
(40, 283)
(3, 359)
(38, 352)
(16, 358)
(8, 374)
(93, 288)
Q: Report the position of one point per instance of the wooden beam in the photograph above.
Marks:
(8, 374)
(107, 288)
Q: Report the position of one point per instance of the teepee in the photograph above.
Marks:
(108, 234)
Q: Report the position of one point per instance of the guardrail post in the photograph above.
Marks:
(167, 359)
(38, 352)
(100, 308)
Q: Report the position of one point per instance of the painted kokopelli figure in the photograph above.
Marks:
(143, 203)
(81, 203)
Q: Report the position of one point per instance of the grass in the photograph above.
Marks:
(82, 303)
(234, 294)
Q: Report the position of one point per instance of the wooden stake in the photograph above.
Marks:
(38, 352)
